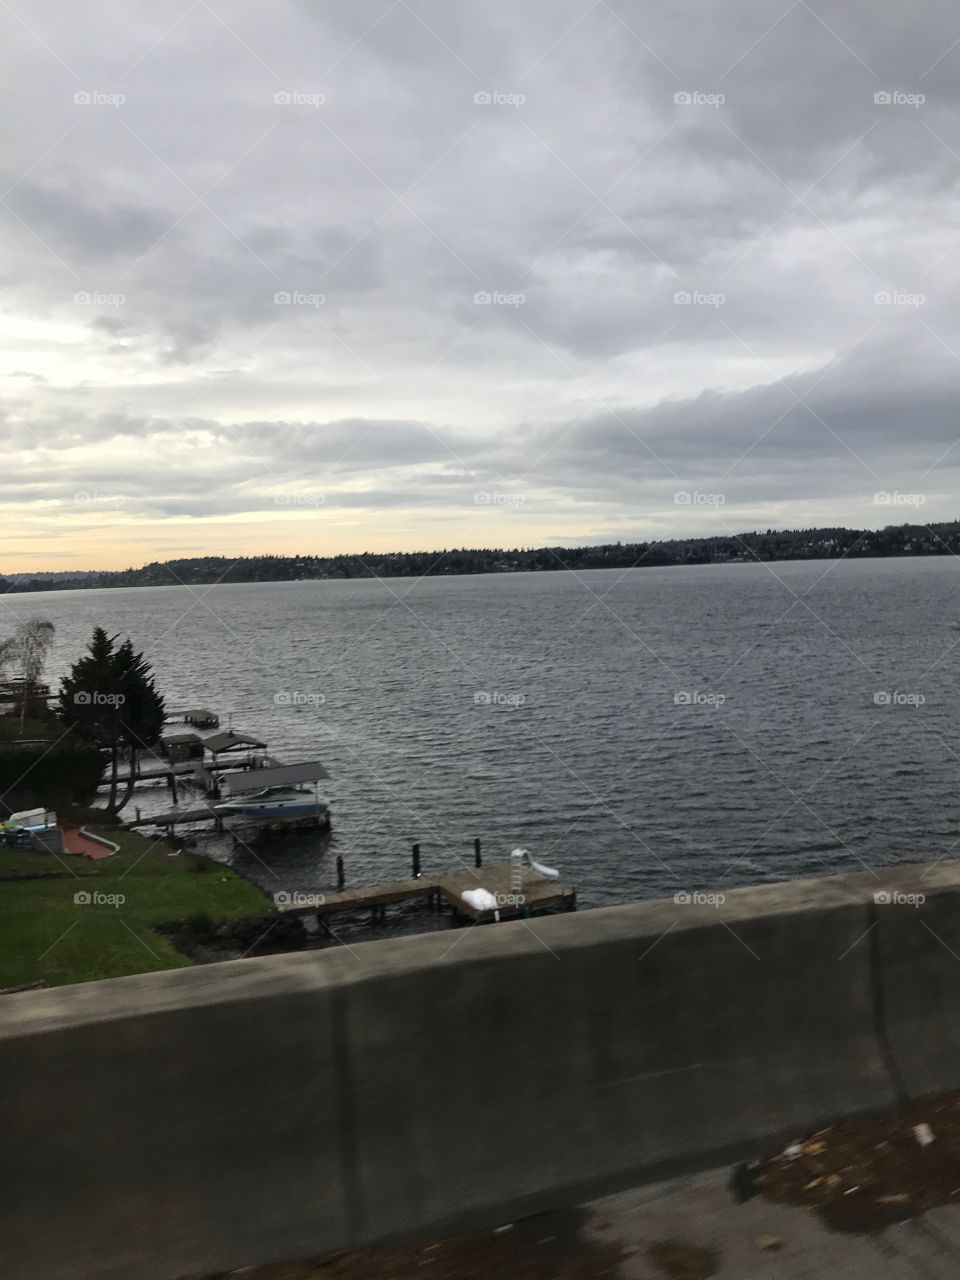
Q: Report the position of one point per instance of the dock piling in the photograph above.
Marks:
(341, 877)
(416, 862)
(477, 860)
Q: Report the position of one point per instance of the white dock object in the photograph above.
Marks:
(480, 899)
(524, 855)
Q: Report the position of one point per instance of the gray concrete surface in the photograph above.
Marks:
(918, 958)
(231, 1115)
(699, 1211)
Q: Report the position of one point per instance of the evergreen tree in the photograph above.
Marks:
(142, 712)
(110, 698)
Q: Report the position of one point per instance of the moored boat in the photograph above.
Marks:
(275, 802)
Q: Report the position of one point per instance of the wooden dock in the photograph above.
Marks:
(174, 817)
(162, 770)
(518, 894)
(232, 822)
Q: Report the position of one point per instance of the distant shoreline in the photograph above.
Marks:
(771, 546)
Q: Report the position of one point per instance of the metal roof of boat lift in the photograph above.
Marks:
(282, 775)
(229, 741)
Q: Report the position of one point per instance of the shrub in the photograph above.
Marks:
(199, 924)
(35, 776)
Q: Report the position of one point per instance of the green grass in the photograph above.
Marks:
(45, 934)
(18, 864)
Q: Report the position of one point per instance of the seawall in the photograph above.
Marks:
(189, 1122)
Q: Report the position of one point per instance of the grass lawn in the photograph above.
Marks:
(46, 934)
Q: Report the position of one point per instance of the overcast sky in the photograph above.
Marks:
(388, 274)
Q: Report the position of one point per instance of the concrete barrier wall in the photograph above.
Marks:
(185, 1123)
(918, 963)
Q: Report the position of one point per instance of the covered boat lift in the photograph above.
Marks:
(218, 743)
(280, 775)
(250, 784)
(244, 782)
(182, 746)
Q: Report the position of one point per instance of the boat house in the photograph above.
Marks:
(230, 743)
(182, 746)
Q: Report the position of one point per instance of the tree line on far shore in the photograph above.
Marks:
(788, 544)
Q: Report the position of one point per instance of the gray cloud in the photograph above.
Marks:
(665, 277)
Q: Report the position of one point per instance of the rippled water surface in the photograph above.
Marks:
(645, 732)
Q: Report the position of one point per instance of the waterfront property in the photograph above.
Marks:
(76, 919)
(483, 894)
(201, 762)
(273, 798)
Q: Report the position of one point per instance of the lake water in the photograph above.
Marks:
(644, 732)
